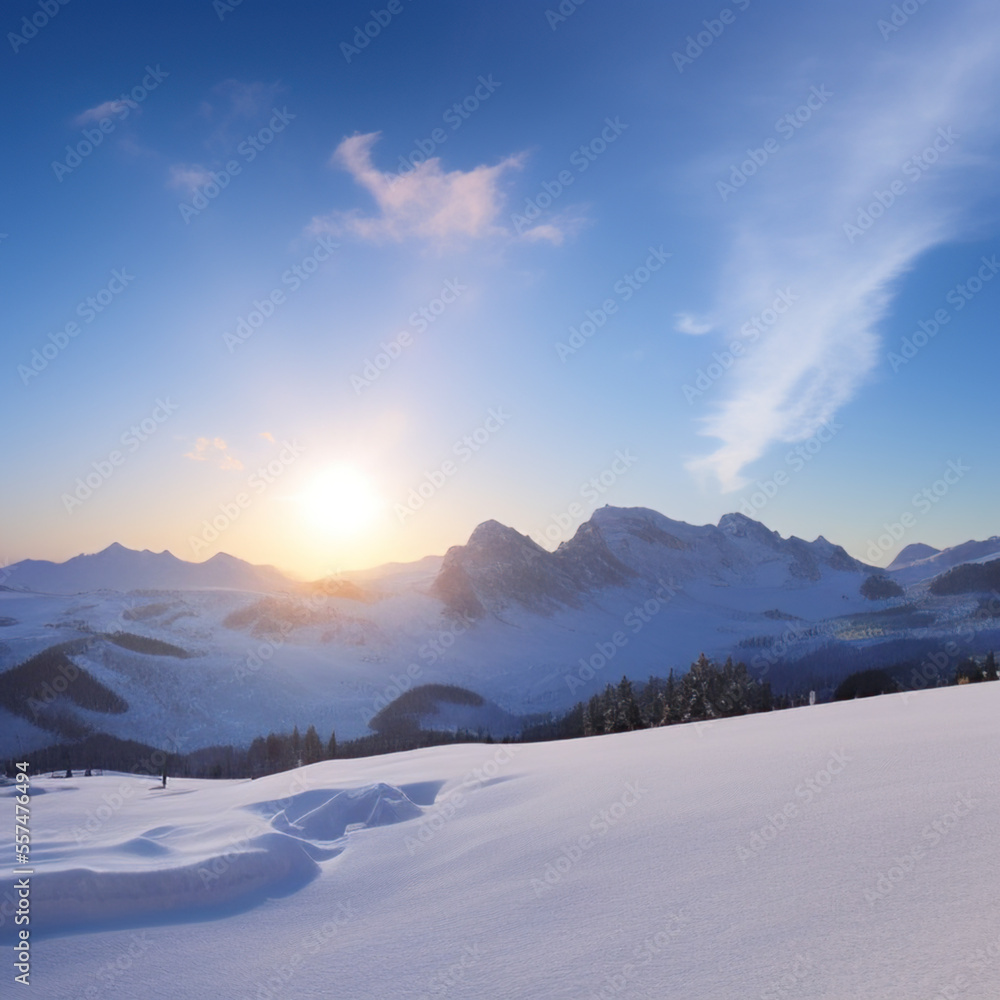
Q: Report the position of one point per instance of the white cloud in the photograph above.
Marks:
(558, 228)
(426, 203)
(789, 233)
(190, 177)
(105, 110)
(686, 323)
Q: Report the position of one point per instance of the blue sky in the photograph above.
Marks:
(634, 253)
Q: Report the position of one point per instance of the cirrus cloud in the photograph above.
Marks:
(790, 229)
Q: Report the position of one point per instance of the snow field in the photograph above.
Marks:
(835, 851)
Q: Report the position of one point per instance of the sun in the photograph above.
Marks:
(340, 501)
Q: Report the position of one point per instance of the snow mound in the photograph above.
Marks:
(82, 899)
(353, 809)
(122, 866)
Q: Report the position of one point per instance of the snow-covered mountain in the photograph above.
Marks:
(910, 566)
(633, 592)
(618, 547)
(120, 568)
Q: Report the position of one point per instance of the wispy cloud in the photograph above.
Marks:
(188, 177)
(105, 110)
(557, 228)
(686, 323)
(427, 203)
(789, 233)
(215, 450)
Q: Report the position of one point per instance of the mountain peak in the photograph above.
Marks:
(493, 537)
(120, 568)
(741, 526)
(912, 553)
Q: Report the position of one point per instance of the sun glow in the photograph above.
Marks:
(341, 502)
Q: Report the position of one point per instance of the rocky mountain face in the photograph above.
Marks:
(500, 567)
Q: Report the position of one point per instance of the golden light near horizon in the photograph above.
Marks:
(341, 502)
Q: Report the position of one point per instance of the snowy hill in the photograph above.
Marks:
(119, 568)
(821, 853)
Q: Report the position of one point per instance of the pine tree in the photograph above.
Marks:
(628, 708)
(331, 746)
(312, 747)
(670, 707)
(275, 752)
(595, 716)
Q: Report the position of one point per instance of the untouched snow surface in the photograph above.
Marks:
(839, 851)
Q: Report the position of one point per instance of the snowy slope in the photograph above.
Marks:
(839, 851)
